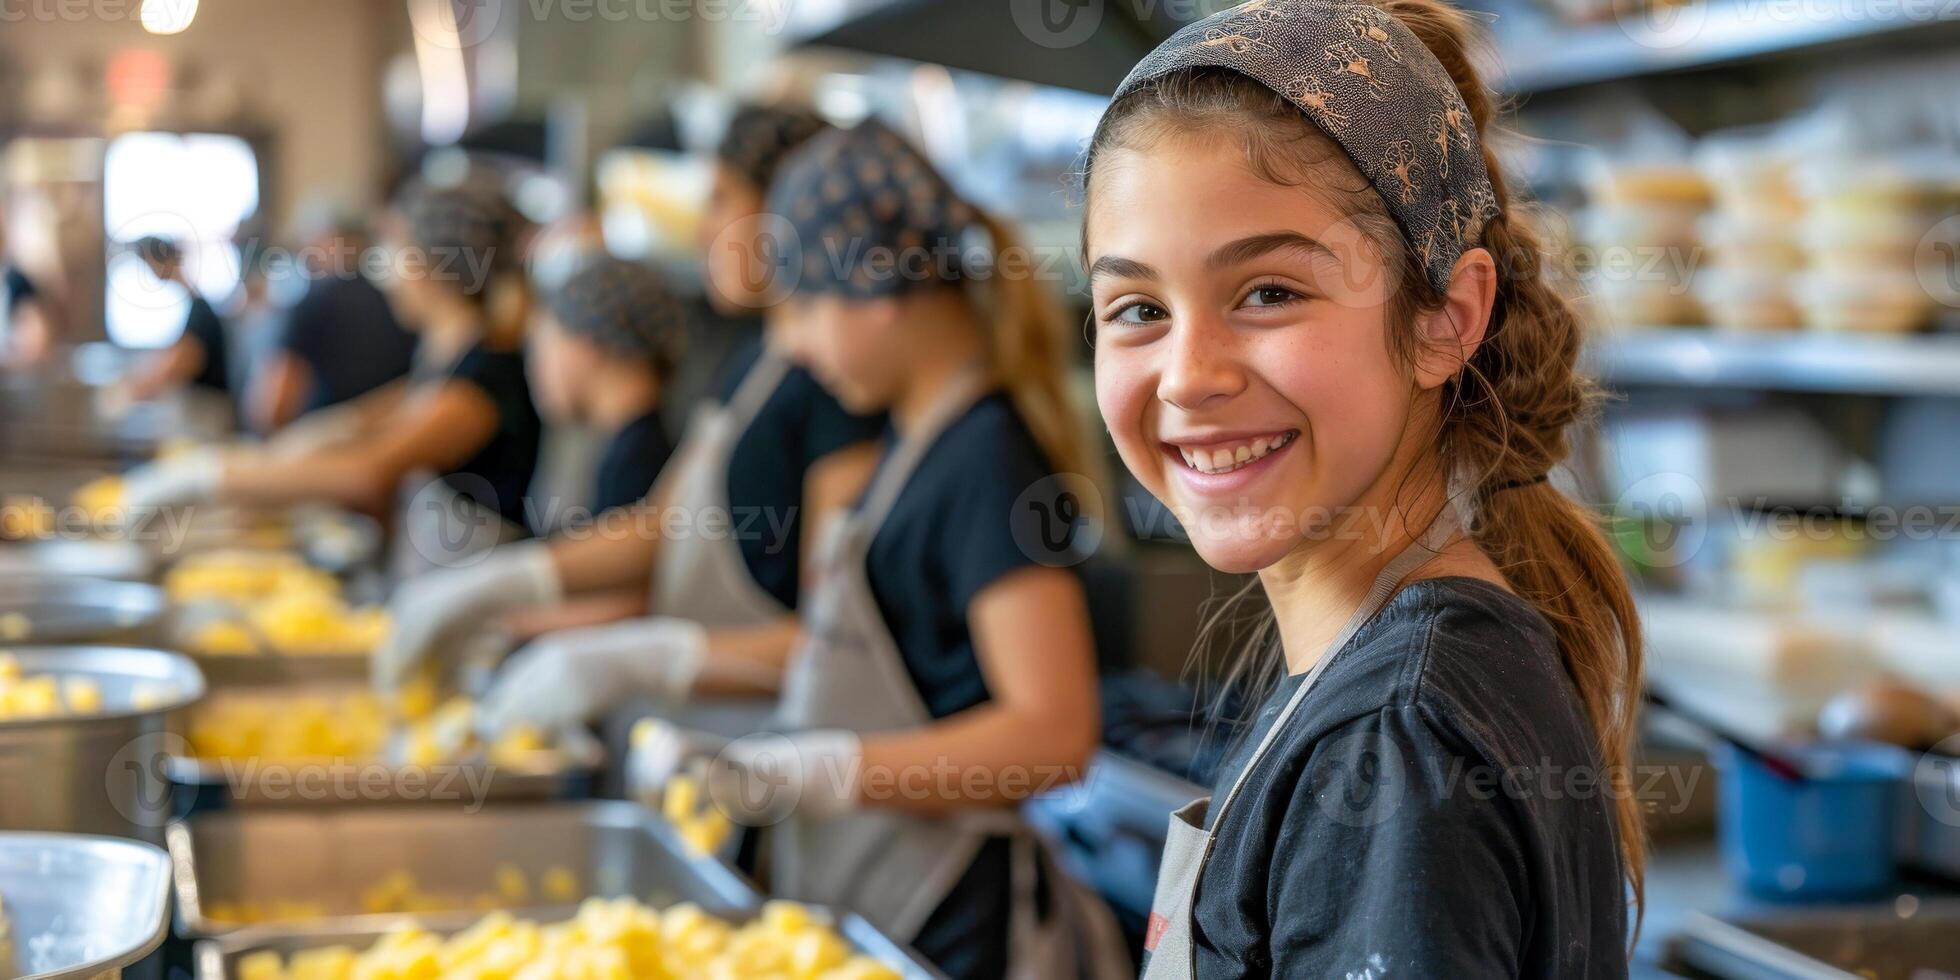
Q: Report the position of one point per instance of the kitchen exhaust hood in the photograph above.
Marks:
(1088, 45)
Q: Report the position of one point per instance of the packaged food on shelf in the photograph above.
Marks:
(1863, 301)
(1746, 298)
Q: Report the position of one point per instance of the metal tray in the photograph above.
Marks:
(1824, 944)
(217, 959)
(266, 668)
(61, 609)
(330, 857)
(81, 907)
(86, 558)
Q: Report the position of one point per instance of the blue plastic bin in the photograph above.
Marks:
(1831, 836)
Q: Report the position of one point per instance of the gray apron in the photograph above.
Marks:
(1167, 938)
(699, 575)
(892, 867)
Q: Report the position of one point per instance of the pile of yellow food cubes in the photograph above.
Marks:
(617, 939)
(319, 725)
(44, 695)
(286, 604)
(400, 892)
(101, 499)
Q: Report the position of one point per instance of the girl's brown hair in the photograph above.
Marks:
(1507, 418)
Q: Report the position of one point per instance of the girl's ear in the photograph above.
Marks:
(1450, 335)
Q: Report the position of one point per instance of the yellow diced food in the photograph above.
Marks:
(84, 697)
(263, 965)
(100, 498)
(25, 516)
(15, 626)
(223, 638)
(559, 884)
(511, 883)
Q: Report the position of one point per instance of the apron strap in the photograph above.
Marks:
(1398, 568)
(764, 377)
(958, 396)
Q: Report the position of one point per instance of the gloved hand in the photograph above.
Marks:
(762, 779)
(572, 676)
(662, 750)
(439, 607)
(191, 477)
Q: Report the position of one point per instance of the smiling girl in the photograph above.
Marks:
(1336, 358)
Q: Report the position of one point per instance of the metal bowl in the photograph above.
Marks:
(100, 772)
(60, 609)
(81, 907)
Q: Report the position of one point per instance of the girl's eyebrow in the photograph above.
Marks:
(1253, 246)
(1121, 268)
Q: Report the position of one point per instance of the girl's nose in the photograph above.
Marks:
(1201, 364)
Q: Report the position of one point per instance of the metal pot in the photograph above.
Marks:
(55, 609)
(81, 908)
(103, 772)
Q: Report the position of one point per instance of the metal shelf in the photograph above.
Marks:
(1553, 56)
(1839, 363)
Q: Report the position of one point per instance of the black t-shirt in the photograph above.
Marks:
(203, 325)
(20, 289)
(950, 535)
(632, 460)
(1414, 816)
(503, 467)
(346, 334)
(798, 425)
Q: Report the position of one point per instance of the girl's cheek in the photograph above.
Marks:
(1125, 387)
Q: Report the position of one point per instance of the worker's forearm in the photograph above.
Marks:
(343, 478)
(617, 552)
(990, 755)
(747, 661)
(585, 610)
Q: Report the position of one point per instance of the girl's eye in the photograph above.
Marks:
(1138, 312)
(1270, 296)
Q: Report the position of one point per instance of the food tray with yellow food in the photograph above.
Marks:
(292, 638)
(252, 747)
(239, 867)
(61, 609)
(620, 938)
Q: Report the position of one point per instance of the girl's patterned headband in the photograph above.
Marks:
(1364, 80)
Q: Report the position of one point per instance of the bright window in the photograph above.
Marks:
(195, 189)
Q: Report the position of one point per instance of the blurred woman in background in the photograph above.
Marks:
(450, 451)
(200, 356)
(717, 545)
(946, 669)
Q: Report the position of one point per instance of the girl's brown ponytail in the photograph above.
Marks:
(1029, 338)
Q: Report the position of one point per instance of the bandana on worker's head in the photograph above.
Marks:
(624, 307)
(868, 217)
(760, 137)
(1368, 83)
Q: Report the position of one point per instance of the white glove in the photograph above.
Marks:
(438, 607)
(189, 478)
(661, 751)
(762, 779)
(572, 676)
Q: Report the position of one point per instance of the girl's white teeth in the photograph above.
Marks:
(1226, 460)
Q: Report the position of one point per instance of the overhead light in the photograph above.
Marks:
(168, 16)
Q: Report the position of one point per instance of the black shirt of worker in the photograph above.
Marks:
(202, 324)
(346, 334)
(951, 535)
(633, 459)
(1435, 807)
(798, 425)
(506, 463)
